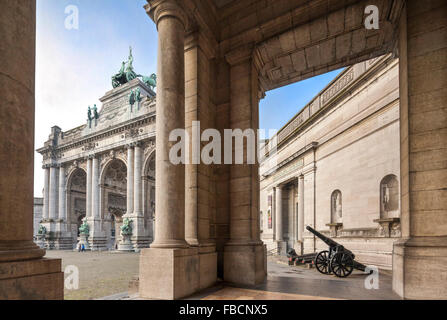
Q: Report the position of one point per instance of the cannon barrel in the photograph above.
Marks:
(331, 243)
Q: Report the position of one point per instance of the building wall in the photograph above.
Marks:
(356, 144)
(37, 214)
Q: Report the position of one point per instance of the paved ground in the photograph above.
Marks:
(107, 275)
(100, 273)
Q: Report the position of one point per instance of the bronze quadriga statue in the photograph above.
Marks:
(336, 260)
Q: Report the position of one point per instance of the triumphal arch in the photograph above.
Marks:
(216, 60)
(104, 170)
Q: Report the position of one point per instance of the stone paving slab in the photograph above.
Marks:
(101, 274)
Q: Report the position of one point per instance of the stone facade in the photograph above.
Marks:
(338, 167)
(103, 171)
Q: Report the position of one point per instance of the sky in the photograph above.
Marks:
(74, 66)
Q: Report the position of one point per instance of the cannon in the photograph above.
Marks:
(337, 260)
(303, 259)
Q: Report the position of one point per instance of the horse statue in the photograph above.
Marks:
(150, 81)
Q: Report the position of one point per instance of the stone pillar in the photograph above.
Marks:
(138, 192)
(97, 237)
(95, 189)
(24, 275)
(46, 193)
(62, 195)
(88, 208)
(300, 208)
(278, 214)
(244, 253)
(419, 259)
(170, 178)
(169, 270)
(140, 235)
(300, 220)
(198, 201)
(53, 208)
(130, 177)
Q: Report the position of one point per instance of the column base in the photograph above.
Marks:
(245, 264)
(168, 274)
(298, 247)
(125, 244)
(419, 268)
(98, 243)
(63, 243)
(19, 250)
(39, 279)
(141, 242)
(207, 266)
(282, 247)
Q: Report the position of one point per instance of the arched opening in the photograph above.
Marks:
(76, 200)
(336, 207)
(389, 197)
(114, 197)
(149, 195)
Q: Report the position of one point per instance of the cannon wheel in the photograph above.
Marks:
(322, 262)
(342, 264)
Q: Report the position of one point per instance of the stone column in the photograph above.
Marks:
(198, 198)
(170, 178)
(88, 207)
(62, 195)
(53, 193)
(244, 253)
(24, 275)
(169, 269)
(97, 237)
(95, 189)
(130, 178)
(300, 208)
(137, 190)
(278, 214)
(419, 259)
(46, 193)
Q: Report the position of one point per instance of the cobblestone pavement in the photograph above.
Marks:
(106, 275)
(100, 273)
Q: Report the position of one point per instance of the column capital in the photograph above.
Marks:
(158, 9)
(137, 144)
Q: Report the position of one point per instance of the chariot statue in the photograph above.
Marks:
(127, 74)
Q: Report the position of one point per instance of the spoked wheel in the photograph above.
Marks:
(322, 262)
(342, 264)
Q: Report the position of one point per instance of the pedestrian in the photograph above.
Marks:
(82, 247)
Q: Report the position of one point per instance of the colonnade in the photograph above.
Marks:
(55, 208)
(298, 236)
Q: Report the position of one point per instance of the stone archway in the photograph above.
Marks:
(113, 198)
(149, 194)
(76, 201)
